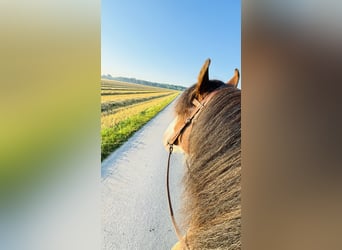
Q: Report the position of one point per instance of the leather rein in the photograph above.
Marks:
(198, 108)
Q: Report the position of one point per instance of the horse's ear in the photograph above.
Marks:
(203, 78)
(235, 79)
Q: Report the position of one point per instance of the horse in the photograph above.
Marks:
(207, 128)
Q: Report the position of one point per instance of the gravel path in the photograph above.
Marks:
(134, 203)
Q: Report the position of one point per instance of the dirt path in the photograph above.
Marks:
(134, 204)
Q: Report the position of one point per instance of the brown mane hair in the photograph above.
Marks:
(212, 205)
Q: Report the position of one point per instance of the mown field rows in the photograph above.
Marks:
(113, 107)
(126, 108)
(125, 85)
(127, 99)
(128, 95)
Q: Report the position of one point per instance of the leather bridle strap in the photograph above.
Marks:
(199, 106)
(186, 123)
(179, 236)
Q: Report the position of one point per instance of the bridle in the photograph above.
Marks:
(198, 108)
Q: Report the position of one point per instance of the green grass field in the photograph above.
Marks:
(125, 108)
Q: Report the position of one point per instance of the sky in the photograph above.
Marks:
(168, 41)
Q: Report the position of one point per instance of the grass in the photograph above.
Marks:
(126, 109)
(115, 136)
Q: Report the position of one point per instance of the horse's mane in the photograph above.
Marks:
(213, 180)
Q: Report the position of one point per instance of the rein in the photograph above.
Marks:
(198, 108)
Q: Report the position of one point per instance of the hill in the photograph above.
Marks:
(143, 82)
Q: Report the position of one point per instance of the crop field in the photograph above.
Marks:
(125, 108)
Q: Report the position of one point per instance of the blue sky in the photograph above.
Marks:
(168, 41)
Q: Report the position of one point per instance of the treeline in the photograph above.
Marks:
(154, 84)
